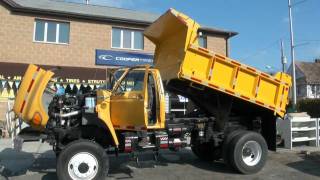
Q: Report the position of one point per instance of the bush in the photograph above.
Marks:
(311, 106)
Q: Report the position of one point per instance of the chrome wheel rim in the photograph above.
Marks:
(251, 153)
(83, 165)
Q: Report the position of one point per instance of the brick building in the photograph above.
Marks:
(70, 35)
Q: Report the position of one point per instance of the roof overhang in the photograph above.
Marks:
(15, 7)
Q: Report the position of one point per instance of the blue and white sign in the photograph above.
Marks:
(121, 58)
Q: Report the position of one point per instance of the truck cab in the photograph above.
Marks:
(135, 102)
(139, 90)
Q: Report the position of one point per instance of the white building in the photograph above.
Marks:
(307, 79)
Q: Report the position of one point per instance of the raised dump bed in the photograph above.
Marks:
(179, 56)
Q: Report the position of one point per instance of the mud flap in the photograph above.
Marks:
(269, 130)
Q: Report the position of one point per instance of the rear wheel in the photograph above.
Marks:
(248, 152)
(226, 143)
(82, 159)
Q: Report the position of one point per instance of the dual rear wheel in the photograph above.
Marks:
(245, 151)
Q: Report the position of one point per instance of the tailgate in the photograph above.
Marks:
(172, 34)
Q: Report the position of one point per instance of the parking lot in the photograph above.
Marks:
(37, 161)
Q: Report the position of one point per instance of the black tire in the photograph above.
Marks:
(203, 151)
(57, 151)
(253, 142)
(226, 143)
(82, 148)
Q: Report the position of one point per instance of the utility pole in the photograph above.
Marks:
(294, 89)
(283, 57)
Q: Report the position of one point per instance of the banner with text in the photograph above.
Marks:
(121, 58)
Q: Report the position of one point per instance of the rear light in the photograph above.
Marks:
(162, 141)
(130, 142)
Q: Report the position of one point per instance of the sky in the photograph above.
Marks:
(261, 25)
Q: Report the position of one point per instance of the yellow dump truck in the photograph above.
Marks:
(237, 106)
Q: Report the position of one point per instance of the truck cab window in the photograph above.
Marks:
(152, 100)
(132, 82)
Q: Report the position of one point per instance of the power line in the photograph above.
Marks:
(261, 50)
(308, 40)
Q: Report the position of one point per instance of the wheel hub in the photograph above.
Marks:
(83, 168)
(247, 152)
(83, 165)
(251, 153)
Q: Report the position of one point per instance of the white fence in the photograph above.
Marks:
(318, 130)
(299, 128)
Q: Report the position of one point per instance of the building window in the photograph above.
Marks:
(202, 41)
(127, 39)
(299, 90)
(51, 31)
(313, 90)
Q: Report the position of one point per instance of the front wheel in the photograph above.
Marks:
(82, 160)
(248, 152)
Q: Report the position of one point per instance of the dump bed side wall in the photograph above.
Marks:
(231, 77)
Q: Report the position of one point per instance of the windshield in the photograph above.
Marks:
(112, 80)
(116, 76)
(133, 81)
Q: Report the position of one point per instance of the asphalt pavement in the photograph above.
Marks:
(37, 162)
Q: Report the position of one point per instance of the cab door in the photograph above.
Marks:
(128, 102)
